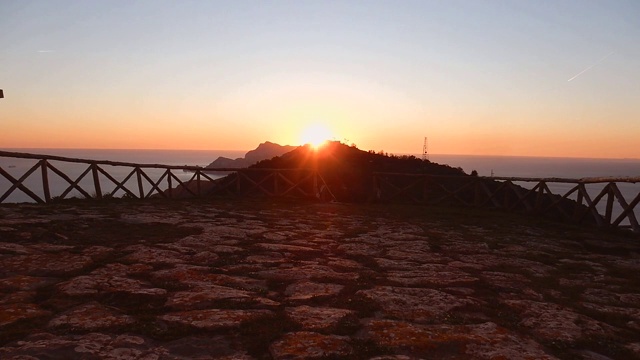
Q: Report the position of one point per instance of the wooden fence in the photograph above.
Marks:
(139, 184)
(607, 206)
(576, 204)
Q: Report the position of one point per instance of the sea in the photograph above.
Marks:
(498, 166)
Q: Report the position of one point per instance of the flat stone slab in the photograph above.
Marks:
(552, 322)
(267, 258)
(207, 297)
(632, 313)
(104, 284)
(308, 272)
(98, 345)
(481, 341)
(12, 313)
(201, 277)
(149, 255)
(226, 249)
(322, 319)
(361, 249)
(93, 345)
(505, 281)
(415, 304)
(11, 248)
(344, 264)
(91, 317)
(430, 275)
(285, 248)
(492, 262)
(211, 319)
(307, 290)
(47, 264)
(23, 282)
(310, 345)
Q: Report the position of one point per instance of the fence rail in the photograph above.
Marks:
(607, 205)
(139, 184)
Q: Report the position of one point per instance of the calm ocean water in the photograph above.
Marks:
(484, 165)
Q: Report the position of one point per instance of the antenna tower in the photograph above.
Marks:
(425, 153)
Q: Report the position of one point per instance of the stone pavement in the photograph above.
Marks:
(290, 280)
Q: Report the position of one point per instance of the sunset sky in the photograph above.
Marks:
(503, 77)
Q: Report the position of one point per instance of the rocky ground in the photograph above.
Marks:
(288, 280)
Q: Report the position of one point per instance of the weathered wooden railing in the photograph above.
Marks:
(603, 207)
(577, 204)
(140, 185)
(98, 175)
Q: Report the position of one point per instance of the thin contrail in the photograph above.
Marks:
(589, 67)
(45, 51)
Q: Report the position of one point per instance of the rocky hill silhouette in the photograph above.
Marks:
(266, 150)
(355, 176)
(335, 156)
(348, 171)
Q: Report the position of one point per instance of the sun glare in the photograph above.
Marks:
(316, 135)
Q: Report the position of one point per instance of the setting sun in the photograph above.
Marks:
(315, 135)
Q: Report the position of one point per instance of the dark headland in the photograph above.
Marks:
(265, 150)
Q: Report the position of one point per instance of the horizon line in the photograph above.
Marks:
(418, 155)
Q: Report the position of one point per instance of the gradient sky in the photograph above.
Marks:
(533, 78)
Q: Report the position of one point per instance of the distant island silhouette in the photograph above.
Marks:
(266, 150)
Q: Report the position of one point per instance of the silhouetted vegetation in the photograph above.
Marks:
(335, 155)
(348, 171)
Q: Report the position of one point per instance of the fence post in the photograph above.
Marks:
(477, 199)
(540, 196)
(96, 180)
(609, 209)
(45, 180)
(198, 183)
(139, 176)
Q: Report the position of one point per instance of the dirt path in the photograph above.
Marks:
(284, 280)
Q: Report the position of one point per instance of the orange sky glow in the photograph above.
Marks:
(476, 78)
